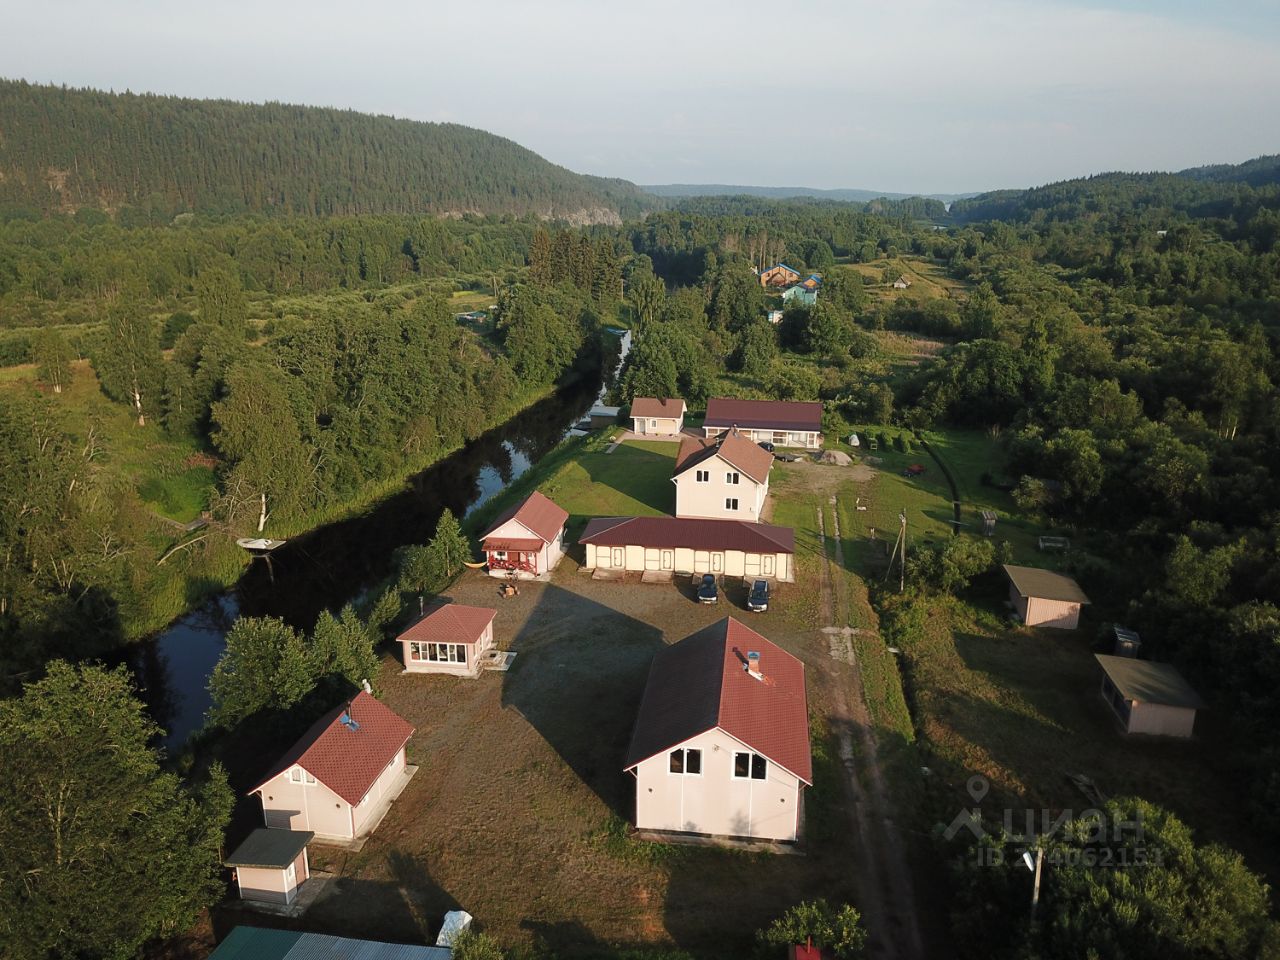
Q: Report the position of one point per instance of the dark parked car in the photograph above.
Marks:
(766, 445)
(758, 600)
(708, 592)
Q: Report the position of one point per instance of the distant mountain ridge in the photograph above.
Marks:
(154, 156)
(1200, 189)
(783, 193)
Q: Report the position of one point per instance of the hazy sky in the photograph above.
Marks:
(912, 95)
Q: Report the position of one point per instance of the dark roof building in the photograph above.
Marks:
(692, 534)
(270, 849)
(763, 414)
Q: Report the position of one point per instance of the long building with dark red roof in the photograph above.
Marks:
(675, 545)
(721, 740)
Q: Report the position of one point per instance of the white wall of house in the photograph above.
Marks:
(272, 885)
(708, 490)
(1039, 612)
(658, 426)
(548, 556)
(714, 801)
(806, 439)
(367, 809)
(310, 805)
(471, 651)
(731, 563)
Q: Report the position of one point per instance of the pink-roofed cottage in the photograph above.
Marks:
(448, 639)
(528, 540)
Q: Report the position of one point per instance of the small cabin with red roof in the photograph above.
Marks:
(448, 639)
(721, 742)
(527, 541)
(340, 778)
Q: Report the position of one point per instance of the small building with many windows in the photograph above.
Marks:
(721, 478)
(662, 547)
(721, 741)
(448, 639)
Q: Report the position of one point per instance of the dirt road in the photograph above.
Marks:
(883, 872)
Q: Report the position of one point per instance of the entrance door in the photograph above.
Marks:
(615, 557)
(767, 563)
(290, 882)
(717, 562)
(668, 559)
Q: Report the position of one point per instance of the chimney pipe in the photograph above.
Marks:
(421, 606)
(753, 664)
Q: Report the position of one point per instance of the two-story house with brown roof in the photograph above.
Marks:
(721, 478)
(721, 741)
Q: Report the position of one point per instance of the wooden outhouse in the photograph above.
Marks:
(271, 865)
(1044, 598)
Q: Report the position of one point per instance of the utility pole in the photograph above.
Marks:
(902, 569)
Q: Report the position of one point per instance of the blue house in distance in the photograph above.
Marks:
(805, 292)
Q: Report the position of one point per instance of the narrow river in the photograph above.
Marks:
(330, 566)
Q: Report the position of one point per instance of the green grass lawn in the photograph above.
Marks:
(634, 480)
(180, 496)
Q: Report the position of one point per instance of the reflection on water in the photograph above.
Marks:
(330, 566)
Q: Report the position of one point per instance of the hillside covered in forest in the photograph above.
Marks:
(146, 158)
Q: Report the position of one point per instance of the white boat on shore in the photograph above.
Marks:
(259, 544)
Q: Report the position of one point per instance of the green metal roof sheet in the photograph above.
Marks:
(268, 848)
(1045, 584)
(258, 943)
(1149, 682)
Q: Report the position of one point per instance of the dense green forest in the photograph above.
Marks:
(148, 158)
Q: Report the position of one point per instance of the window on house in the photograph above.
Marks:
(731, 503)
(685, 761)
(731, 478)
(749, 766)
(653, 424)
(500, 554)
(296, 774)
(446, 653)
(702, 476)
(310, 778)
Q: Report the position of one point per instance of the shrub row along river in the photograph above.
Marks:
(330, 566)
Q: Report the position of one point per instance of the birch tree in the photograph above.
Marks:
(129, 363)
